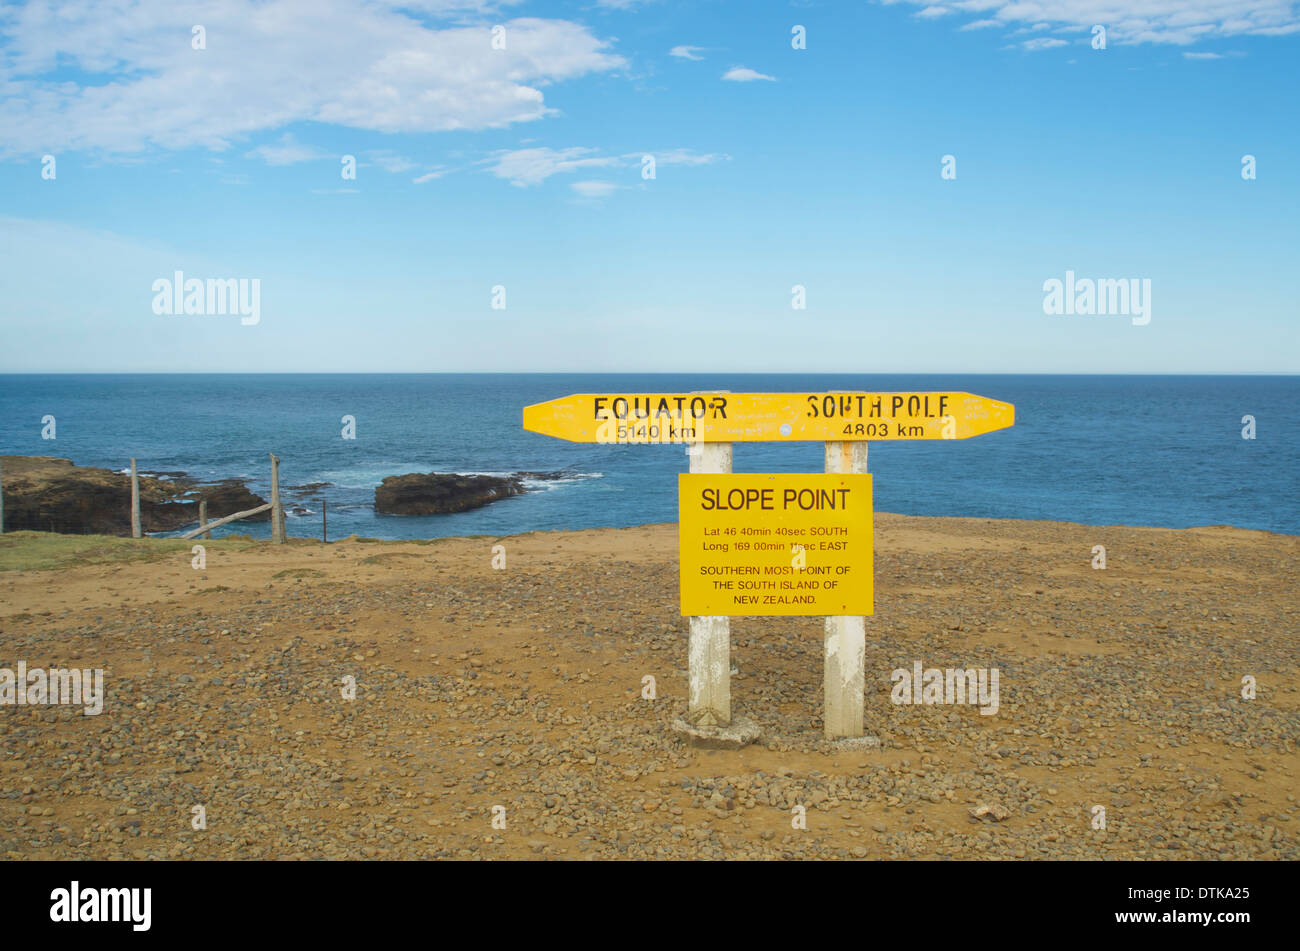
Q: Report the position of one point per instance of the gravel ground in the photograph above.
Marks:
(522, 688)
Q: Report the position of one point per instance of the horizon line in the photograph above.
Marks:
(4, 373)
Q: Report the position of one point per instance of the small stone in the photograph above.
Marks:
(740, 733)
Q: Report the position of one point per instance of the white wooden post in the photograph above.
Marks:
(203, 517)
(846, 636)
(135, 502)
(710, 639)
(277, 509)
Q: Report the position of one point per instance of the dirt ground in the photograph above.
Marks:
(522, 688)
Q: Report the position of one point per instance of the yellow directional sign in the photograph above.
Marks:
(637, 418)
(774, 545)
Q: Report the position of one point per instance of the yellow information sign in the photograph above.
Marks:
(765, 417)
(775, 545)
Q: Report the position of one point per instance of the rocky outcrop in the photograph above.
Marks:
(47, 494)
(226, 498)
(440, 493)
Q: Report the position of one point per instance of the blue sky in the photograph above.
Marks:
(774, 167)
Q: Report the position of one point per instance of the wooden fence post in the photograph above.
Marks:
(203, 517)
(194, 532)
(277, 508)
(135, 502)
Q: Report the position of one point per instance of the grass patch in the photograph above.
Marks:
(298, 573)
(389, 557)
(409, 541)
(42, 551)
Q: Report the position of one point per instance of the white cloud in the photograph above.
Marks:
(679, 157)
(523, 167)
(389, 161)
(686, 52)
(593, 189)
(286, 152)
(365, 64)
(929, 13)
(430, 175)
(742, 74)
(1181, 22)
(1043, 43)
(454, 8)
(1202, 56)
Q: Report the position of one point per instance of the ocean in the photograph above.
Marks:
(1102, 450)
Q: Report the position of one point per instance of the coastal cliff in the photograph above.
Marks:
(49, 494)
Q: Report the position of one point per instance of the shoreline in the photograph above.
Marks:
(168, 497)
(153, 546)
(74, 499)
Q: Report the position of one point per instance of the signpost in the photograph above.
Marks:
(759, 510)
(766, 417)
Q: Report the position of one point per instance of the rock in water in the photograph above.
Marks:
(440, 493)
(228, 497)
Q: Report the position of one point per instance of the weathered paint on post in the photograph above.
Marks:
(845, 643)
(135, 502)
(710, 638)
(203, 518)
